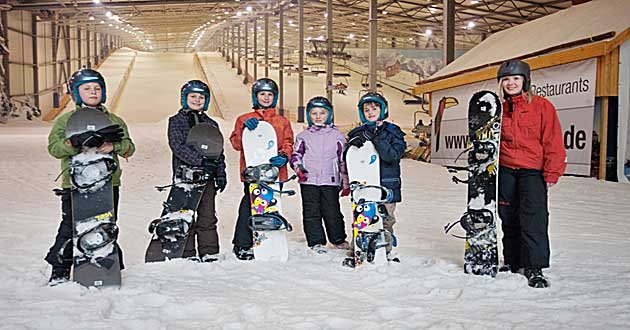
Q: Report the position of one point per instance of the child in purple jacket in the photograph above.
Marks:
(317, 160)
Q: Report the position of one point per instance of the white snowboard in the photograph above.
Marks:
(364, 168)
(258, 146)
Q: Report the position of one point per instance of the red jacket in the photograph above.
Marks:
(281, 125)
(531, 137)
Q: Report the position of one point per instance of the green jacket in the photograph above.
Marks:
(58, 148)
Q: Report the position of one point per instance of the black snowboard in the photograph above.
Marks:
(480, 219)
(95, 252)
(170, 231)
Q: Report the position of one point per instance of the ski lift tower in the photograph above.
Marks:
(320, 50)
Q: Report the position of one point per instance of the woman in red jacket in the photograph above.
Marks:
(532, 159)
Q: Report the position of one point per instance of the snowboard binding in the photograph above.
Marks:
(91, 175)
(91, 241)
(269, 221)
(172, 226)
(474, 222)
(263, 173)
(187, 174)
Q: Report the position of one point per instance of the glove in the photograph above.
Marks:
(251, 123)
(357, 141)
(112, 133)
(345, 191)
(219, 183)
(369, 133)
(279, 161)
(88, 139)
(301, 173)
(209, 166)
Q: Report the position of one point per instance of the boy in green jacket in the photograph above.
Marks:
(87, 88)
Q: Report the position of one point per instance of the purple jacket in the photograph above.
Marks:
(320, 151)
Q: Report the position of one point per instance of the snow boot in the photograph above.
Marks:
(392, 257)
(242, 253)
(342, 246)
(535, 278)
(59, 275)
(209, 257)
(509, 268)
(319, 249)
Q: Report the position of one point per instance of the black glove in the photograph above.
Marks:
(210, 166)
(219, 183)
(112, 133)
(369, 133)
(88, 139)
(357, 141)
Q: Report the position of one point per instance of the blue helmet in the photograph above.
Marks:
(264, 84)
(81, 77)
(373, 97)
(319, 102)
(195, 86)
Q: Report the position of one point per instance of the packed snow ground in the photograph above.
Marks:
(589, 275)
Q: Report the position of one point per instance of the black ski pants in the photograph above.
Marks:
(243, 235)
(524, 217)
(322, 203)
(64, 234)
(205, 226)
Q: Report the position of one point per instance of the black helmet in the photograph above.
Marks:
(513, 68)
(319, 102)
(264, 84)
(195, 86)
(81, 77)
(373, 97)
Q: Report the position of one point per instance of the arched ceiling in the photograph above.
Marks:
(176, 25)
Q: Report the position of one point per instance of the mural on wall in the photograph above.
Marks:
(420, 62)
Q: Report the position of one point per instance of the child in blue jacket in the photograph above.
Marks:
(388, 139)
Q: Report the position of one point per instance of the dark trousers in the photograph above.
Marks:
(243, 235)
(322, 203)
(205, 226)
(64, 233)
(524, 217)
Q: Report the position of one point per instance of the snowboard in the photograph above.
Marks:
(480, 219)
(368, 209)
(95, 252)
(170, 232)
(266, 221)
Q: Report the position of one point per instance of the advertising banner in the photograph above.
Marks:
(569, 87)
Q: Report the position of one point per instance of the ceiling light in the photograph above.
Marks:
(249, 8)
(238, 13)
(108, 14)
(91, 18)
(96, 1)
(384, 12)
(471, 25)
(428, 32)
(102, 22)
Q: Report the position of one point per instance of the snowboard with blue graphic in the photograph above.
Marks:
(368, 209)
(268, 225)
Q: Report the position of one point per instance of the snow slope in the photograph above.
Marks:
(589, 230)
